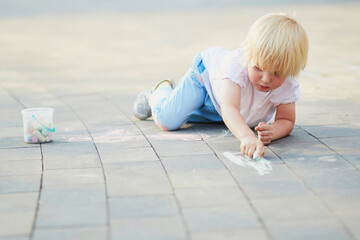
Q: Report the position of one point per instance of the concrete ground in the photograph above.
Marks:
(108, 175)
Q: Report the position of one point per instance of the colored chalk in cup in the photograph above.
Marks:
(38, 125)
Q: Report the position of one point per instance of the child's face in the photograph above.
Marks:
(263, 80)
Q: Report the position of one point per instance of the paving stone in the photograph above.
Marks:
(147, 206)
(111, 153)
(244, 234)
(225, 145)
(262, 189)
(319, 119)
(18, 184)
(17, 212)
(201, 179)
(192, 163)
(11, 132)
(73, 176)
(12, 237)
(304, 207)
(80, 233)
(137, 179)
(158, 137)
(209, 197)
(19, 167)
(319, 229)
(333, 161)
(70, 155)
(72, 205)
(225, 218)
(332, 131)
(13, 142)
(298, 135)
(151, 228)
(296, 150)
(181, 148)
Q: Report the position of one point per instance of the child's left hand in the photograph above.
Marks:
(265, 132)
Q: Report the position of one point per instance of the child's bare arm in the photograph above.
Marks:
(282, 126)
(230, 111)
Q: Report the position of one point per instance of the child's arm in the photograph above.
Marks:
(230, 111)
(282, 126)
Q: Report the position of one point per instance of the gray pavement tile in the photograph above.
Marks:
(32, 152)
(314, 230)
(297, 150)
(201, 179)
(70, 155)
(72, 205)
(81, 233)
(152, 228)
(306, 207)
(192, 163)
(17, 212)
(224, 218)
(72, 176)
(18, 184)
(70, 215)
(15, 237)
(68, 126)
(274, 189)
(143, 206)
(224, 145)
(321, 119)
(76, 194)
(298, 135)
(347, 147)
(11, 132)
(111, 153)
(137, 179)
(352, 222)
(243, 234)
(332, 179)
(332, 131)
(20, 167)
(14, 142)
(77, 136)
(181, 148)
(212, 130)
(209, 197)
(333, 161)
(176, 136)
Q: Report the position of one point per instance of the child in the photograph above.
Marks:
(246, 88)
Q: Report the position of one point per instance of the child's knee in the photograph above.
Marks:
(166, 122)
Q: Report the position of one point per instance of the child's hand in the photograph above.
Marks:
(251, 144)
(265, 132)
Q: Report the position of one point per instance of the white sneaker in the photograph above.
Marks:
(142, 108)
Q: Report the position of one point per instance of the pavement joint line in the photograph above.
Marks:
(108, 218)
(33, 227)
(348, 231)
(261, 220)
(183, 220)
(349, 162)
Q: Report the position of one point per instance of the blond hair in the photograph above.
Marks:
(277, 43)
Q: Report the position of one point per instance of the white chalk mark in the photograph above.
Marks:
(262, 166)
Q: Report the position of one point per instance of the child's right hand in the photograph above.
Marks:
(251, 144)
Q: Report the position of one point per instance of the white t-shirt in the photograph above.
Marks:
(256, 106)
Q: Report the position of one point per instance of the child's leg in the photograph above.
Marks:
(171, 108)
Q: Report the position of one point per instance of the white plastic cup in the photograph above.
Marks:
(38, 125)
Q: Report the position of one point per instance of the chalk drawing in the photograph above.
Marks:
(179, 136)
(327, 159)
(113, 136)
(262, 166)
